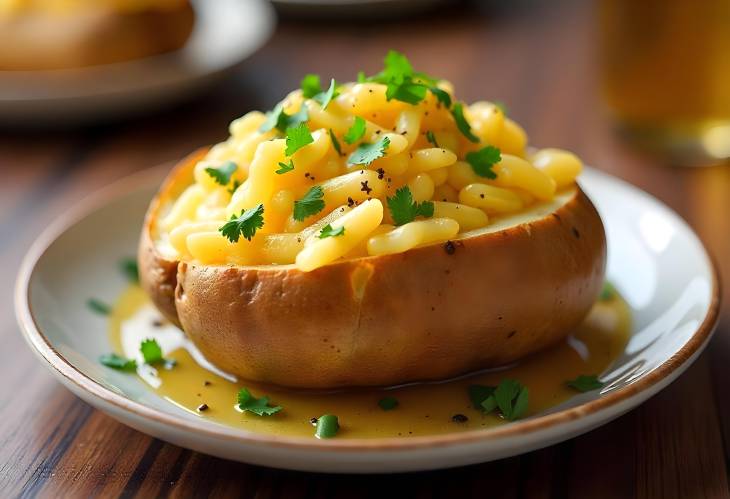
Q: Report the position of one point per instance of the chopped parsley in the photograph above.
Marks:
(403, 209)
(311, 86)
(297, 137)
(278, 119)
(236, 185)
(246, 224)
(457, 112)
(335, 143)
(329, 231)
(259, 406)
(367, 153)
(356, 131)
(222, 174)
(327, 426)
(129, 268)
(151, 351)
(388, 403)
(585, 383)
(402, 82)
(478, 394)
(512, 398)
(118, 362)
(483, 160)
(431, 138)
(324, 98)
(285, 167)
(99, 307)
(311, 204)
(442, 96)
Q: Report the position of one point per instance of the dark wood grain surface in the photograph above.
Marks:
(540, 60)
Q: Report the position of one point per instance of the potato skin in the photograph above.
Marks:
(425, 314)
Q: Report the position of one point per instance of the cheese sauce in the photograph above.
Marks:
(423, 408)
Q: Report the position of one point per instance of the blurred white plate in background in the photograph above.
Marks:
(226, 32)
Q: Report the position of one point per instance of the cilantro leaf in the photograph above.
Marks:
(457, 112)
(361, 78)
(284, 167)
(222, 174)
(129, 268)
(151, 351)
(479, 393)
(278, 119)
(335, 143)
(329, 231)
(442, 95)
(118, 362)
(483, 160)
(99, 307)
(388, 403)
(324, 98)
(585, 383)
(404, 210)
(356, 131)
(512, 398)
(407, 91)
(311, 86)
(259, 406)
(297, 137)
(311, 204)
(367, 153)
(431, 138)
(246, 224)
(236, 185)
(402, 82)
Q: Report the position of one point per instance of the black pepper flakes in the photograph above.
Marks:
(202, 407)
(459, 418)
(365, 187)
(449, 247)
(207, 383)
(313, 421)
(157, 323)
(350, 202)
(381, 173)
(576, 233)
(481, 196)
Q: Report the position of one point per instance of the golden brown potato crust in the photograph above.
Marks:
(97, 35)
(425, 314)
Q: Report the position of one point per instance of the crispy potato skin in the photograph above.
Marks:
(425, 314)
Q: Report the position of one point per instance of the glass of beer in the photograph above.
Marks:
(665, 68)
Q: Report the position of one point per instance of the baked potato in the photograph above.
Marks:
(465, 258)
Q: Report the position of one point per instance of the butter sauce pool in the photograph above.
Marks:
(423, 409)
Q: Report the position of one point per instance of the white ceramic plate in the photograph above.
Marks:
(655, 261)
(226, 32)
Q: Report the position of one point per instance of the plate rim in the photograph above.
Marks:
(62, 367)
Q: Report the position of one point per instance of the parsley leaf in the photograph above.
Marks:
(311, 204)
(129, 268)
(296, 138)
(388, 403)
(585, 383)
(356, 131)
(151, 351)
(483, 160)
(442, 96)
(367, 153)
(246, 224)
(260, 406)
(402, 82)
(335, 143)
(431, 138)
(479, 393)
(403, 209)
(278, 119)
(608, 292)
(284, 167)
(236, 185)
(324, 98)
(99, 307)
(329, 231)
(118, 362)
(310, 86)
(222, 174)
(512, 398)
(407, 91)
(458, 112)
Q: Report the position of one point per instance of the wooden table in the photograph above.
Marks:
(540, 61)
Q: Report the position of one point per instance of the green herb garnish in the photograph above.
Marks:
(479, 393)
(608, 292)
(311, 86)
(585, 383)
(258, 406)
(367, 153)
(285, 167)
(278, 119)
(324, 98)
(442, 96)
(335, 143)
(98, 306)
(328, 231)
(222, 174)
(402, 82)
(297, 137)
(458, 113)
(388, 403)
(403, 209)
(483, 160)
(151, 351)
(246, 224)
(129, 268)
(327, 426)
(431, 138)
(512, 398)
(236, 185)
(311, 204)
(118, 362)
(356, 131)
